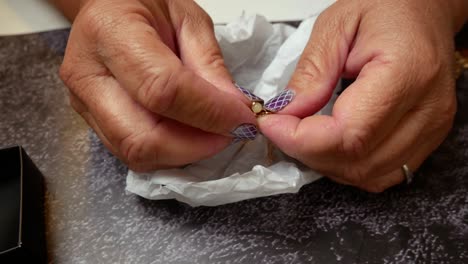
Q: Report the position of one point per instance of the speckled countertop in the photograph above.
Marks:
(90, 219)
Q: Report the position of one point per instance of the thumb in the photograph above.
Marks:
(322, 62)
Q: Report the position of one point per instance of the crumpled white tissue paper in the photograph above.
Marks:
(261, 57)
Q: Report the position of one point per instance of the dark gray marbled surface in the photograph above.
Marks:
(90, 219)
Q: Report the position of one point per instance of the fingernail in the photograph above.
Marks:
(248, 94)
(245, 132)
(280, 101)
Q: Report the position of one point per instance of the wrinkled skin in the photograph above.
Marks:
(399, 109)
(149, 78)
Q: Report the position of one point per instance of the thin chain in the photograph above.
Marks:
(461, 64)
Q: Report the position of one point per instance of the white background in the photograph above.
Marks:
(25, 16)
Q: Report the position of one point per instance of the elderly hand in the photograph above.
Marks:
(149, 78)
(399, 109)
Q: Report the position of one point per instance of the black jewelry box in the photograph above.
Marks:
(22, 229)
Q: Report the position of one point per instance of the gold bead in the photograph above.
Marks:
(257, 107)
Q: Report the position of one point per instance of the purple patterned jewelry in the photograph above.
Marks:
(280, 101)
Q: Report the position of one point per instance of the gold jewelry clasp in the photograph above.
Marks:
(258, 109)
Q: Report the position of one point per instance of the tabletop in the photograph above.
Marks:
(90, 218)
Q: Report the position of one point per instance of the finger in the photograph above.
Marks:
(83, 111)
(322, 61)
(384, 182)
(315, 150)
(140, 138)
(415, 137)
(154, 76)
(198, 48)
(170, 158)
(368, 109)
(412, 158)
(172, 144)
(286, 133)
(381, 168)
(388, 85)
(395, 177)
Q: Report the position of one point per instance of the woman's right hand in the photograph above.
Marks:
(149, 78)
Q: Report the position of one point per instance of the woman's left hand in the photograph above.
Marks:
(399, 109)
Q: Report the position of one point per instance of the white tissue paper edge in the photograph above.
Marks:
(262, 58)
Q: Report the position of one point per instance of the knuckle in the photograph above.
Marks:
(76, 105)
(433, 59)
(76, 81)
(132, 151)
(447, 113)
(214, 59)
(318, 60)
(203, 19)
(357, 175)
(66, 73)
(444, 107)
(211, 118)
(308, 68)
(326, 17)
(449, 109)
(434, 62)
(355, 143)
(159, 91)
(197, 17)
(430, 75)
(190, 14)
(95, 23)
(73, 78)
